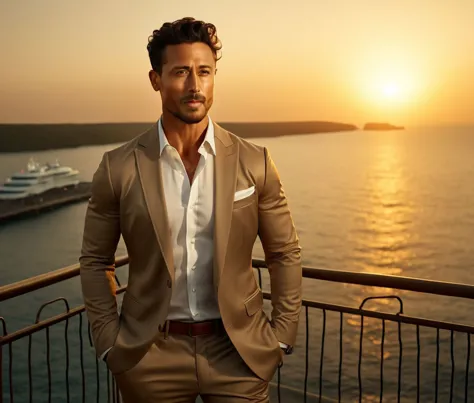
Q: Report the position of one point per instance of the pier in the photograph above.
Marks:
(16, 208)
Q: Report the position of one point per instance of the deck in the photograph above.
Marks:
(319, 365)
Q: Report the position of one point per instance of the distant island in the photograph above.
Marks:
(381, 126)
(35, 137)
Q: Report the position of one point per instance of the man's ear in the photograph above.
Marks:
(155, 80)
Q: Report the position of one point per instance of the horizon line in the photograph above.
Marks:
(239, 122)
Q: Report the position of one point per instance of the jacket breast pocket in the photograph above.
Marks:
(247, 201)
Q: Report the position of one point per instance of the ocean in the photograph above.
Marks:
(398, 202)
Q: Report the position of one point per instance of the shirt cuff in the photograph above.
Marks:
(105, 353)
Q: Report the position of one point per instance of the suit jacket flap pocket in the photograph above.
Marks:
(254, 303)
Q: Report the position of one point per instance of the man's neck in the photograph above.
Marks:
(185, 138)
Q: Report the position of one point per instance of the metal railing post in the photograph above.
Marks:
(1, 372)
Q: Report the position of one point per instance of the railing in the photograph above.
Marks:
(343, 337)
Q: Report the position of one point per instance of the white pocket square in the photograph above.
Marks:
(242, 194)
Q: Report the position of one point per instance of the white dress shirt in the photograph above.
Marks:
(190, 208)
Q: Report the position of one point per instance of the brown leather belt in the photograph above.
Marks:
(195, 328)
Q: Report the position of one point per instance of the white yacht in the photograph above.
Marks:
(37, 179)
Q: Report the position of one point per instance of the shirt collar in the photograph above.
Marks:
(209, 138)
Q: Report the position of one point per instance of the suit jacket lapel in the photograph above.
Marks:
(147, 155)
(227, 157)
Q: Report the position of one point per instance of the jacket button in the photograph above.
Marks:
(168, 283)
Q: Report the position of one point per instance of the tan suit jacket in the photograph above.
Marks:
(127, 199)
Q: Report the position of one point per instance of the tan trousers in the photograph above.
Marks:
(178, 368)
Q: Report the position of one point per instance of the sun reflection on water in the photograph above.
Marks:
(383, 224)
(382, 238)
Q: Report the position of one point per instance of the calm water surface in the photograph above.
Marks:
(398, 203)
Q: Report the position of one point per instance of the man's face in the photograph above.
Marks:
(186, 83)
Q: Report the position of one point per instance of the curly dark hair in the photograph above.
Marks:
(185, 30)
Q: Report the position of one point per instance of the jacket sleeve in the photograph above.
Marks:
(97, 260)
(282, 254)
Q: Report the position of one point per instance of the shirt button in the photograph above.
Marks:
(194, 290)
(168, 283)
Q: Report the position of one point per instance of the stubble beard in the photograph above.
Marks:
(190, 119)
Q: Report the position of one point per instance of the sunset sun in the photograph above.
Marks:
(391, 83)
(391, 90)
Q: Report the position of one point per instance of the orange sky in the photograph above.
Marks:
(407, 61)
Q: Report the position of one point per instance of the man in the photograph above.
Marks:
(189, 199)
